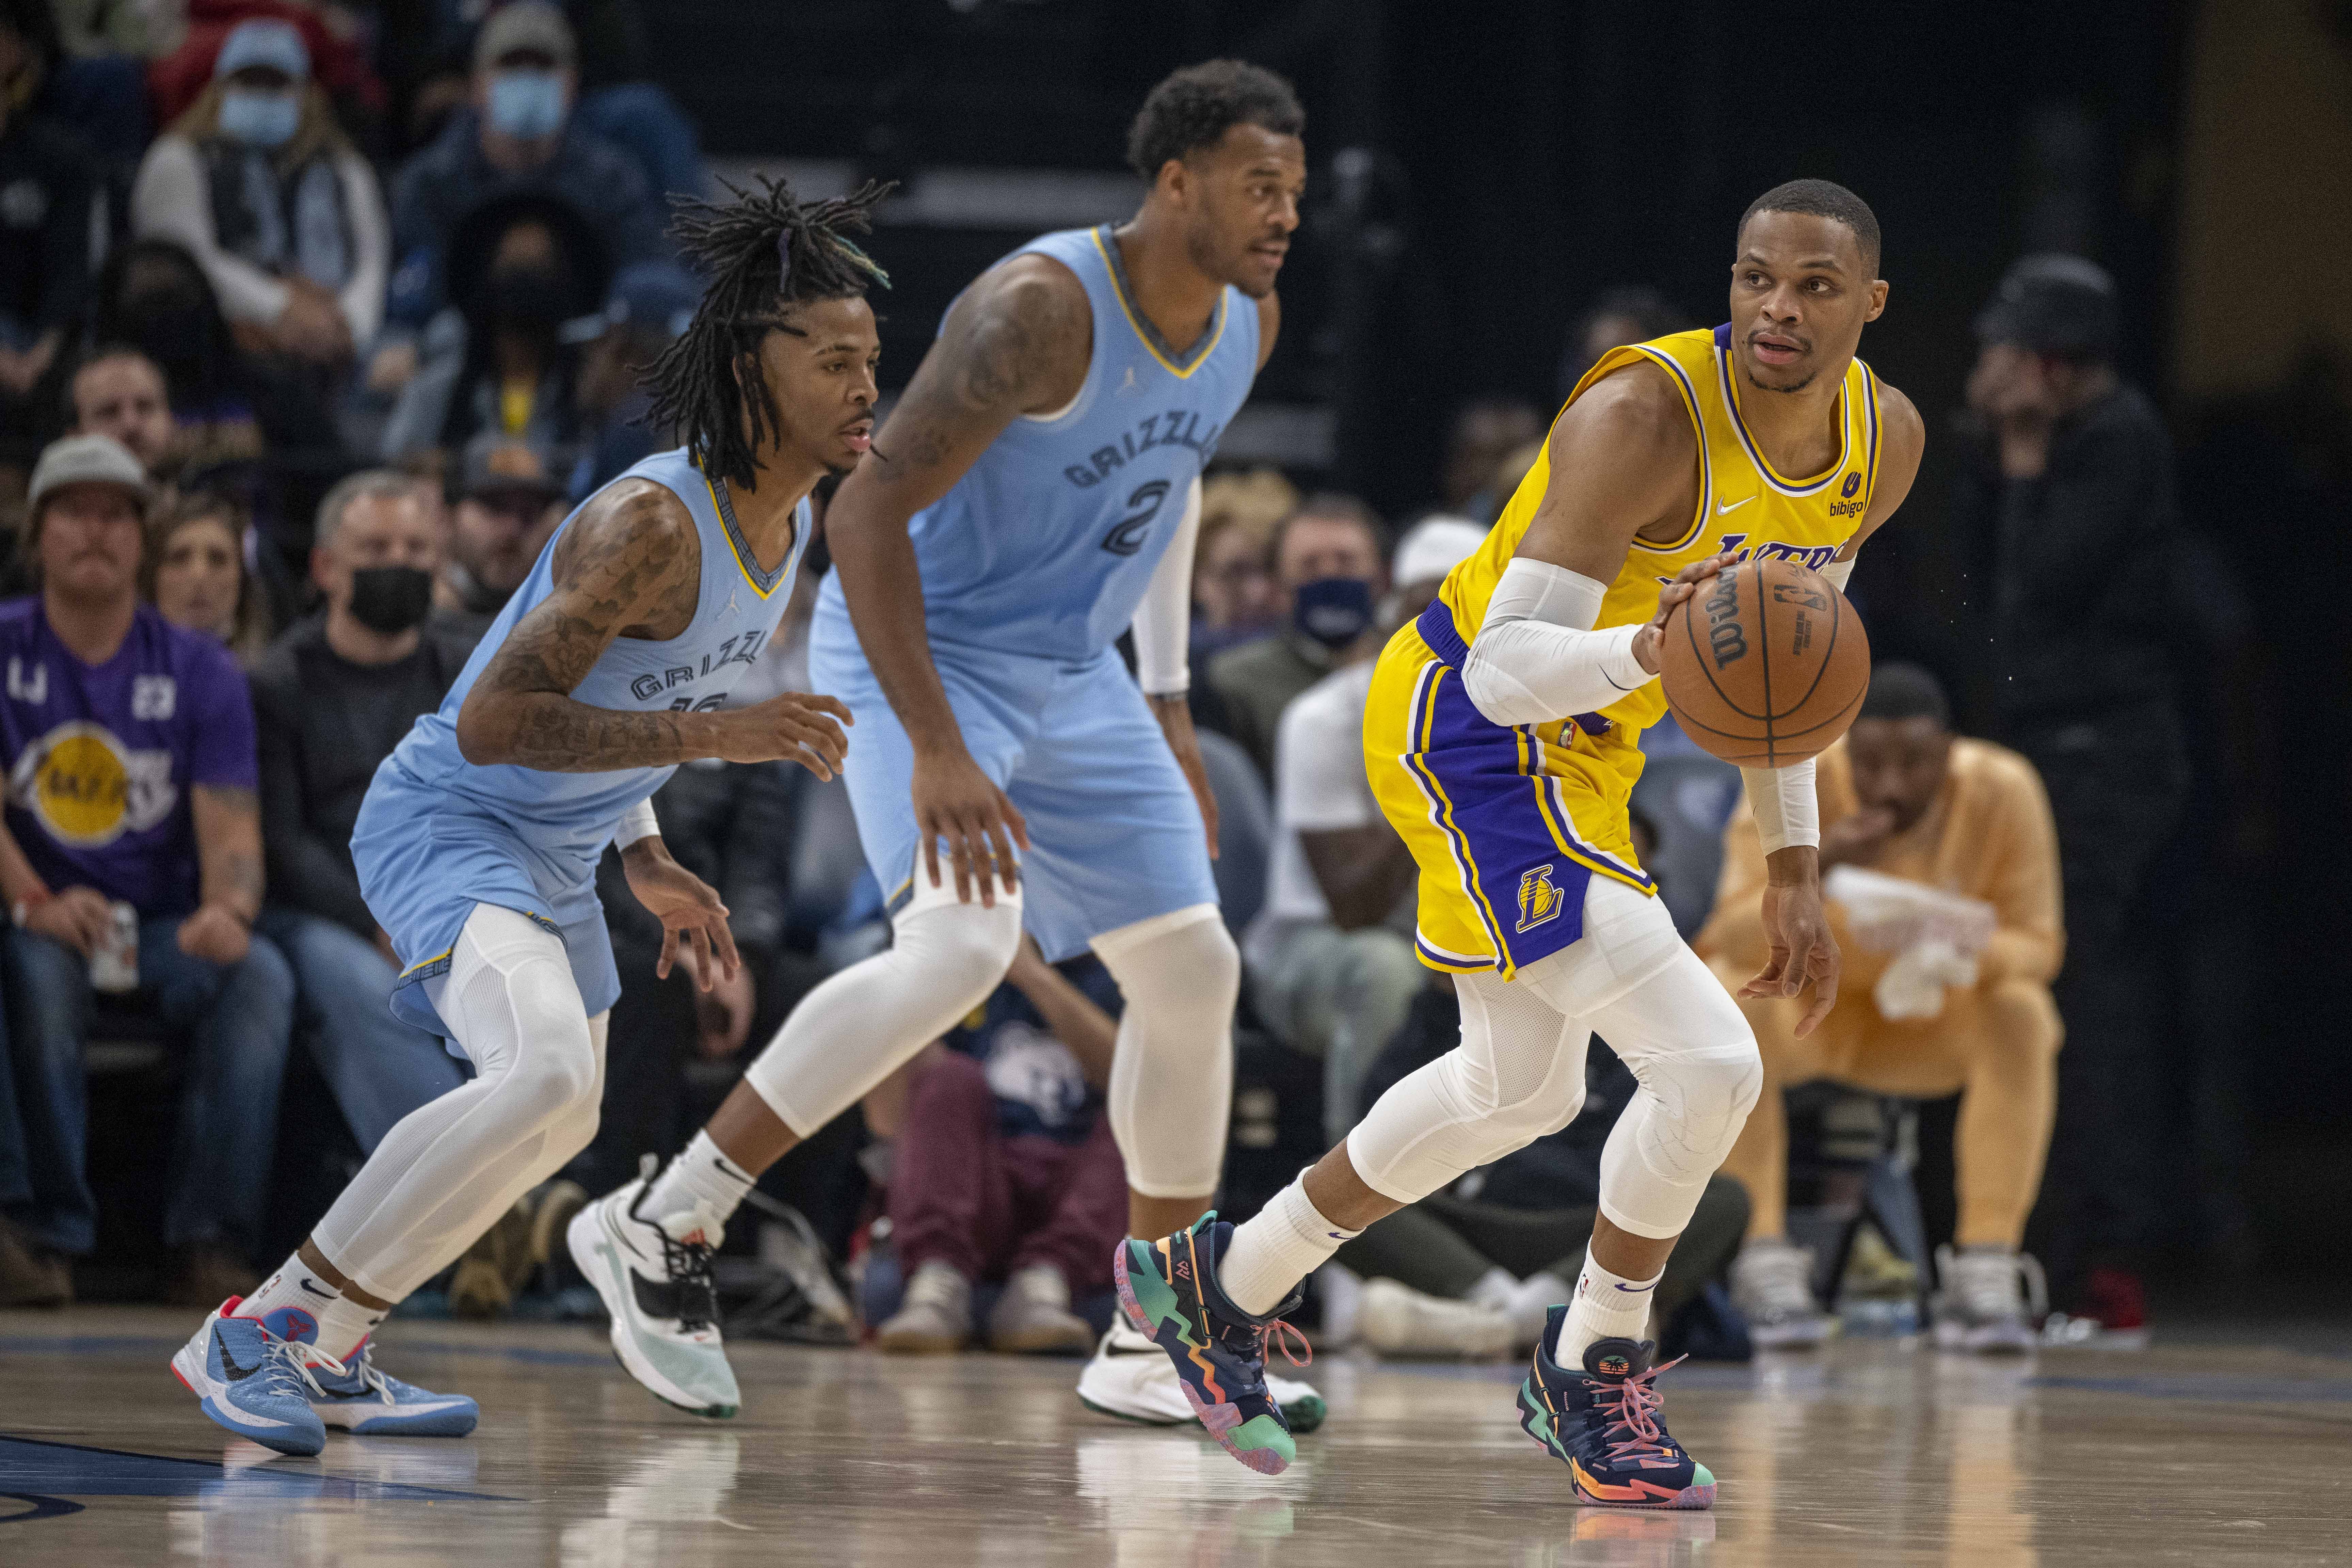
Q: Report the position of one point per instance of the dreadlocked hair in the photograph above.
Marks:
(762, 255)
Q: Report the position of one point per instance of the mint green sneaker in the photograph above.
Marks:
(655, 1278)
(1169, 1293)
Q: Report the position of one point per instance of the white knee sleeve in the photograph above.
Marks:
(449, 1168)
(860, 1026)
(1171, 1080)
(1518, 1074)
(1687, 1041)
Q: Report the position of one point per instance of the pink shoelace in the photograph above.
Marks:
(1636, 1407)
(1279, 1335)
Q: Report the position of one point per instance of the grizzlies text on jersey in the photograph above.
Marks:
(1033, 565)
(1510, 823)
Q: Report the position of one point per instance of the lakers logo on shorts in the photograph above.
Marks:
(1538, 900)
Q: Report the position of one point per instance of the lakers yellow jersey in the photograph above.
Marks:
(1507, 823)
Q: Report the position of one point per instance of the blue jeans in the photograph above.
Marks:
(379, 1068)
(238, 1019)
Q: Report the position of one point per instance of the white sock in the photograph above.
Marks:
(1605, 1306)
(1268, 1255)
(295, 1303)
(701, 1175)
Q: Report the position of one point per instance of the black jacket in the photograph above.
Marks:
(323, 724)
(2078, 561)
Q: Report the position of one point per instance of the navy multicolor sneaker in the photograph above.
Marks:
(253, 1382)
(1168, 1290)
(1602, 1423)
(367, 1402)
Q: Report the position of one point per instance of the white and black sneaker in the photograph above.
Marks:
(1991, 1302)
(656, 1280)
(1130, 1378)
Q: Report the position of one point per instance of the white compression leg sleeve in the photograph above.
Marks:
(1171, 1081)
(855, 1029)
(1518, 1074)
(1683, 1037)
(450, 1167)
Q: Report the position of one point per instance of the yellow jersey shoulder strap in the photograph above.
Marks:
(1689, 360)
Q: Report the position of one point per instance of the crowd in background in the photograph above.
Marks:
(310, 336)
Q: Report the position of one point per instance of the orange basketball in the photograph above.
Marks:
(1765, 665)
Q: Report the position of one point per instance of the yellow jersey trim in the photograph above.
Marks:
(1706, 468)
(735, 549)
(1148, 338)
(1799, 488)
(427, 962)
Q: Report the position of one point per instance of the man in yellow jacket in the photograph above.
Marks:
(1941, 864)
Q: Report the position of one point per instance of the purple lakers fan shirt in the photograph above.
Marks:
(101, 758)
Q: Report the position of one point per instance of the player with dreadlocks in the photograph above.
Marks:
(478, 844)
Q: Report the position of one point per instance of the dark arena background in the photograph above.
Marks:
(1490, 191)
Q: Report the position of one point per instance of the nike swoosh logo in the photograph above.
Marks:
(236, 1374)
(1637, 1290)
(1722, 507)
(314, 1290)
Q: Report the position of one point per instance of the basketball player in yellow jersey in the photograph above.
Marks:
(1503, 738)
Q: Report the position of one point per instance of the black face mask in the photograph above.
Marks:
(527, 297)
(390, 599)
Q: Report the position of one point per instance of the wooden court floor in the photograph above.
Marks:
(1873, 1453)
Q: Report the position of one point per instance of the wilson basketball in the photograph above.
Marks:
(1766, 664)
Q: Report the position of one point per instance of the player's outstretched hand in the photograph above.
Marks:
(1802, 950)
(793, 727)
(694, 922)
(957, 801)
(1649, 643)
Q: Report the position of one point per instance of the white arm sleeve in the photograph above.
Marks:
(637, 822)
(1537, 658)
(1164, 621)
(1788, 808)
(1838, 572)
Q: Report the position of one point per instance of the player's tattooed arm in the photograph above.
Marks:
(629, 565)
(1017, 343)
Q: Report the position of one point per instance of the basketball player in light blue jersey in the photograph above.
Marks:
(1033, 496)
(476, 847)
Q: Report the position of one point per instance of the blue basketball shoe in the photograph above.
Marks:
(367, 1403)
(255, 1384)
(1602, 1423)
(1169, 1293)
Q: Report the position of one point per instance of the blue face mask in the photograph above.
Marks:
(259, 118)
(526, 104)
(1334, 611)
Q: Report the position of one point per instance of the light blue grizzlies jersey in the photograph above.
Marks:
(569, 817)
(1044, 545)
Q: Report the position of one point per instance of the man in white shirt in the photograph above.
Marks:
(1328, 974)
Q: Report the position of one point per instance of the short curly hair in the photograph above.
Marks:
(1195, 107)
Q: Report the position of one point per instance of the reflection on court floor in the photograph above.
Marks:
(1872, 1453)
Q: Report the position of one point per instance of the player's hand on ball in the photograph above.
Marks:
(1650, 641)
(694, 922)
(793, 727)
(957, 801)
(1802, 949)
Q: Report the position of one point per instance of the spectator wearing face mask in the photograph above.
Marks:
(48, 177)
(261, 185)
(505, 511)
(528, 273)
(196, 573)
(1329, 975)
(331, 697)
(517, 133)
(120, 392)
(1329, 571)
